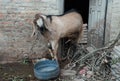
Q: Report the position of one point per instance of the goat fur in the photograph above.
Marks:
(53, 28)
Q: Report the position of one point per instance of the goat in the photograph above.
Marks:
(53, 28)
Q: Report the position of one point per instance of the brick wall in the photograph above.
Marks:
(16, 27)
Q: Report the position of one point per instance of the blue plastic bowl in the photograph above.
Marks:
(46, 69)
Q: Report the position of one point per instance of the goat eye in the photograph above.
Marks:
(37, 26)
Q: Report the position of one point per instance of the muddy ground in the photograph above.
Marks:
(20, 71)
(17, 72)
(23, 71)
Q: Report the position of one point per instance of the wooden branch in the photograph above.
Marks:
(99, 49)
(116, 40)
(90, 54)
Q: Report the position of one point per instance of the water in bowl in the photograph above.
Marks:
(46, 69)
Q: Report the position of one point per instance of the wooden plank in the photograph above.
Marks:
(85, 36)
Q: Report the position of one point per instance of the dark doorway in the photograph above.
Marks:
(82, 6)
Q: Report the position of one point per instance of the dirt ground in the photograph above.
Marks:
(17, 72)
(23, 71)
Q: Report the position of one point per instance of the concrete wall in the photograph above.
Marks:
(113, 20)
(16, 27)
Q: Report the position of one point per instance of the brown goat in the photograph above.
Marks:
(53, 28)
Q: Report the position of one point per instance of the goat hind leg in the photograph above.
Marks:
(80, 35)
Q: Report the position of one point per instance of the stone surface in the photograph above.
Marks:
(68, 72)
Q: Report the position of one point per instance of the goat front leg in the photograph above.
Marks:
(54, 45)
(50, 50)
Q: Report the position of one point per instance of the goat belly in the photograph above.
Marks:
(70, 34)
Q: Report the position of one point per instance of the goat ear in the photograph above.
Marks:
(39, 22)
(44, 18)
